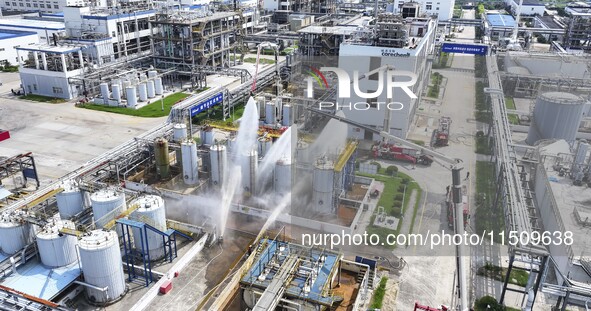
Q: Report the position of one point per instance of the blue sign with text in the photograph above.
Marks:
(206, 104)
(464, 48)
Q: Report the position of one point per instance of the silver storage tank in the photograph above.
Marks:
(264, 144)
(142, 90)
(249, 166)
(302, 151)
(190, 164)
(100, 258)
(131, 95)
(158, 88)
(323, 185)
(557, 115)
(106, 205)
(282, 176)
(179, 132)
(286, 115)
(14, 232)
(219, 159)
(151, 211)
(270, 115)
(116, 93)
(105, 92)
(57, 249)
(151, 91)
(70, 201)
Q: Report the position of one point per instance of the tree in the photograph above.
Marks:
(488, 303)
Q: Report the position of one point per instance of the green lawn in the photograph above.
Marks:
(518, 277)
(152, 110)
(387, 199)
(483, 145)
(487, 217)
(43, 99)
(510, 104)
(378, 294)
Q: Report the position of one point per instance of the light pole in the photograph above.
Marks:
(162, 102)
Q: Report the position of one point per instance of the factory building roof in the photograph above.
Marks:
(37, 280)
(500, 20)
(32, 24)
(334, 30)
(9, 34)
(549, 22)
(531, 2)
(59, 49)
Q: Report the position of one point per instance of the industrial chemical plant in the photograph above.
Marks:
(295, 155)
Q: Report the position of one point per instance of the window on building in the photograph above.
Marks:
(42, 6)
(34, 87)
(1, 49)
(14, 4)
(35, 5)
(437, 9)
(428, 7)
(374, 63)
(58, 90)
(55, 6)
(21, 4)
(8, 3)
(28, 5)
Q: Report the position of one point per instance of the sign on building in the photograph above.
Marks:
(464, 48)
(206, 104)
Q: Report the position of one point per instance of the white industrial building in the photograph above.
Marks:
(45, 29)
(12, 39)
(416, 42)
(52, 6)
(529, 7)
(443, 9)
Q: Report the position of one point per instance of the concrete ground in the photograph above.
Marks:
(61, 136)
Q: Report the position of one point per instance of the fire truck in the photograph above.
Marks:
(450, 207)
(395, 152)
(441, 134)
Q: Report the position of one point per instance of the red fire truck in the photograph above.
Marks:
(399, 153)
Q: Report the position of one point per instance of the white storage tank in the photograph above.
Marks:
(302, 151)
(70, 201)
(116, 93)
(107, 201)
(190, 164)
(265, 144)
(231, 144)
(151, 91)
(323, 185)
(100, 258)
(219, 159)
(57, 249)
(286, 119)
(152, 74)
(143, 91)
(152, 212)
(158, 88)
(270, 115)
(179, 132)
(131, 96)
(105, 92)
(282, 176)
(260, 105)
(207, 135)
(249, 166)
(14, 232)
(557, 115)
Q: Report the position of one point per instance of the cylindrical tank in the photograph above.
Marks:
(282, 176)
(143, 91)
(302, 150)
(100, 258)
(152, 212)
(270, 116)
(179, 132)
(162, 157)
(152, 74)
(557, 115)
(231, 144)
(261, 105)
(249, 165)
(323, 185)
(105, 92)
(190, 165)
(286, 120)
(219, 159)
(116, 82)
(265, 144)
(116, 93)
(57, 249)
(151, 91)
(106, 205)
(207, 135)
(70, 201)
(125, 84)
(131, 96)
(14, 232)
(158, 89)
